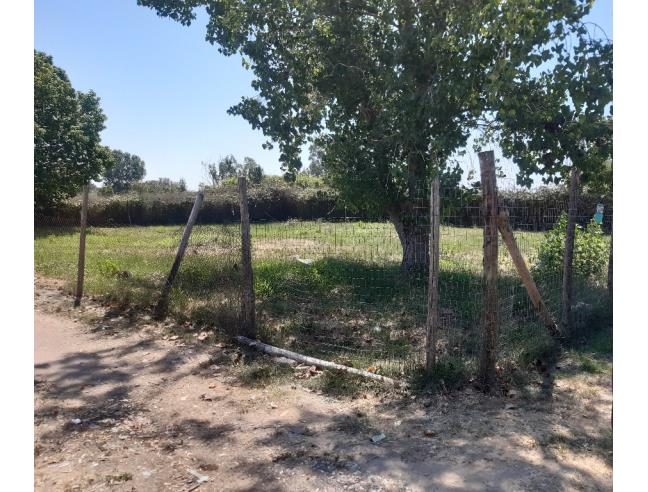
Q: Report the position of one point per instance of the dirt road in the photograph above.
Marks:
(121, 405)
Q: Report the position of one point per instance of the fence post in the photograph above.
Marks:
(489, 317)
(82, 238)
(609, 272)
(163, 304)
(433, 279)
(568, 259)
(248, 321)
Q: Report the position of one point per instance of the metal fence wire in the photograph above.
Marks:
(336, 287)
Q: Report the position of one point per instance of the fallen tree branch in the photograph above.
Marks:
(323, 364)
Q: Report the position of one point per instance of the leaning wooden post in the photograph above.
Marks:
(163, 304)
(489, 317)
(433, 279)
(82, 240)
(568, 259)
(248, 318)
(523, 271)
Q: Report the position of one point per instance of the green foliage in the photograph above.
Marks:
(127, 169)
(228, 169)
(107, 268)
(389, 91)
(316, 167)
(67, 123)
(561, 117)
(252, 170)
(160, 185)
(590, 250)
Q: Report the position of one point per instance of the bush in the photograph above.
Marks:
(590, 250)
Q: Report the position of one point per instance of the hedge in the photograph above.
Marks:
(276, 201)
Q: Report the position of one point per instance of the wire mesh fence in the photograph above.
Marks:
(127, 265)
(346, 287)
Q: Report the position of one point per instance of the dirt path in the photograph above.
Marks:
(119, 407)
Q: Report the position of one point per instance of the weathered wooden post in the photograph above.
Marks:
(489, 317)
(433, 277)
(248, 317)
(568, 259)
(82, 240)
(523, 271)
(163, 304)
(609, 272)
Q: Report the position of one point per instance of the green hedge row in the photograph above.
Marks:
(276, 201)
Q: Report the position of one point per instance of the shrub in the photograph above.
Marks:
(107, 268)
(590, 250)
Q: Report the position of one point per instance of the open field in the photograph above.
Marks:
(331, 289)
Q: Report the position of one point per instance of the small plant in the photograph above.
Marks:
(590, 251)
(108, 268)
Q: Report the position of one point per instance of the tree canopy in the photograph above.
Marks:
(229, 167)
(126, 170)
(67, 123)
(390, 90)
(561, 117)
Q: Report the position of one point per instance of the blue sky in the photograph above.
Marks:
(164, 89)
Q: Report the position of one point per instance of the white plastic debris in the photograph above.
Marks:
(378, 438)
(199, 478)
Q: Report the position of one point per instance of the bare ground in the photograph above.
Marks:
(121, 404)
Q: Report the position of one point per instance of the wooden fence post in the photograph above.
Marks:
(523, 271)
(248, 318)
(489, 317)
(609, 272)
(433, 279)
(163, 303)
(82, 240)
(568, 259)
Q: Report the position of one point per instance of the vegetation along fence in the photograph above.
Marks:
(354, 289)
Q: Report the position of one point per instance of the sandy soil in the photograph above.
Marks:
(120, 404)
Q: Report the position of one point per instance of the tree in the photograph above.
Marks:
(67, 124)
(127, 169)
(559, 119)
(389, 90)
(252, 170)
(315, 167)
(229, 167)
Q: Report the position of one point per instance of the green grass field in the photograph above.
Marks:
(329, 289)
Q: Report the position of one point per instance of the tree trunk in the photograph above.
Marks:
(412, 227)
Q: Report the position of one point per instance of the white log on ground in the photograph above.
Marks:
(319, 363)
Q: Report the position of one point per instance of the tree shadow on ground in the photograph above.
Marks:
(444, 442)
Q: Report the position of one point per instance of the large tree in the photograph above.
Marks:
(390, 90)
(67, 124)
(126, 170)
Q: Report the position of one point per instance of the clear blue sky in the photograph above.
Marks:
(164, 89)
